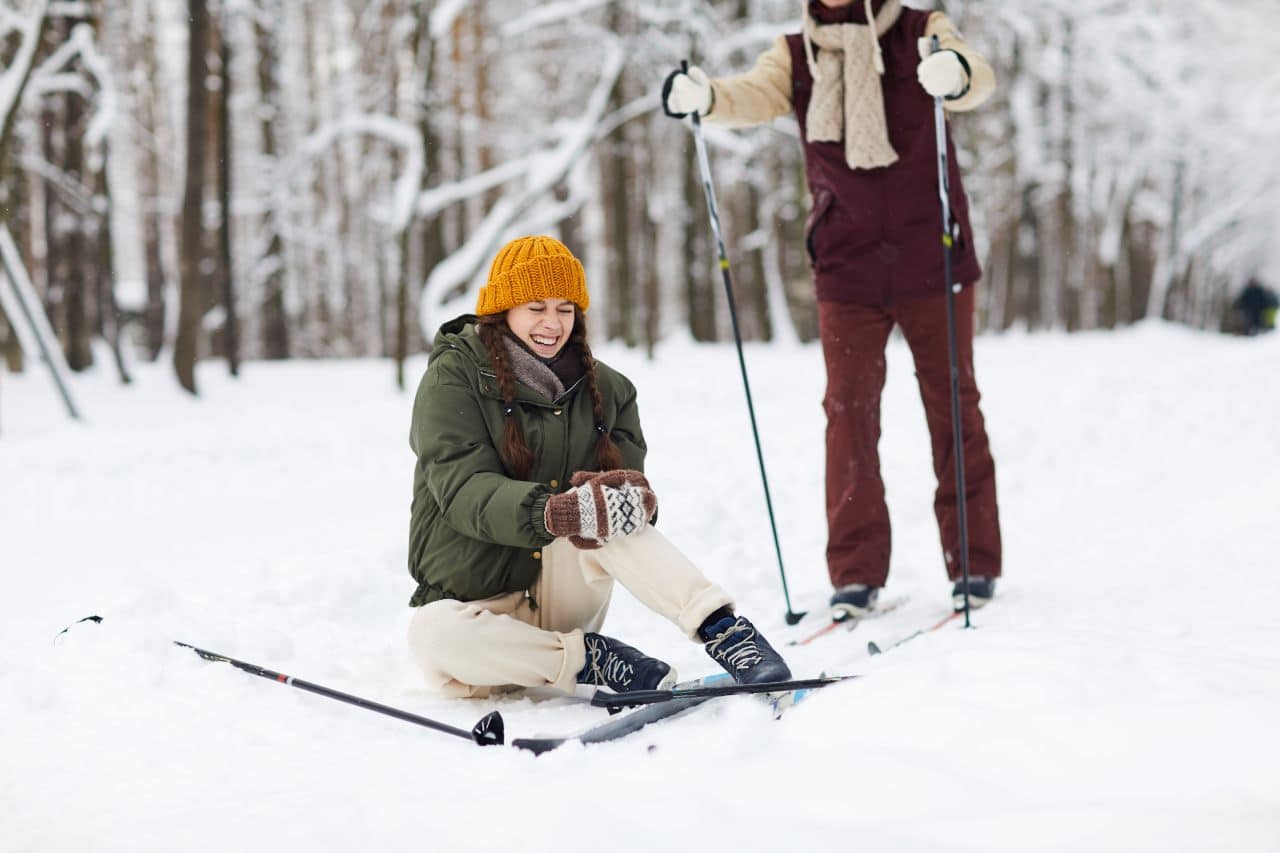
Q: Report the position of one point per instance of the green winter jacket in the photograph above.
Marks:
(475, 532)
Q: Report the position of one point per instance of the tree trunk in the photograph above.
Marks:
(150, 182)
(422, 242)
(651, 280)
(275, 317)
(6, 120)
(108, 310)
(618, 194)
(699, 287)
(192, 297)
(226, 268)
(617, 212)
(73, 225)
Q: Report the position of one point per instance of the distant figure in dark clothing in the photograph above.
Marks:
(1257, 306)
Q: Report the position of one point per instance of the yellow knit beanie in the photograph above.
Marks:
(532, 268)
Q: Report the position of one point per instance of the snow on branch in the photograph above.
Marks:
(69, 9)
(546, 170)
(73, 192)
(550, 13)
(432, 201)
(62, 83)
(436, 199)
(1222, 218)
(443, 16)
(14, 78)
(51, 77)
(97, 65)
(10, 20)
(384, 127)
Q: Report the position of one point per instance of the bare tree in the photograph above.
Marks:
(275, 316)
(223, 156)
(193, 300)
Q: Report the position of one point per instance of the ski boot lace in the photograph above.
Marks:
(607, 668)
(736, 646)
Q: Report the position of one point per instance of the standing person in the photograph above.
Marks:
(1257, 306)
(529, 502)
(861, 80)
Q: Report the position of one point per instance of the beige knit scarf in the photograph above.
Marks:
(847, 101)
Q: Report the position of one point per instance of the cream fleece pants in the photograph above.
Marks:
(466, 648)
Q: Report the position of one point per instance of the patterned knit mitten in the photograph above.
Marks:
(601, 506)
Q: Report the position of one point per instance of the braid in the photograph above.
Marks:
(607, 455)
(515, 453)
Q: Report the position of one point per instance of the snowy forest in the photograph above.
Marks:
(269, 179)
(229, 231)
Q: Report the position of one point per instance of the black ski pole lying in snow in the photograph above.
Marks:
(488, 732)
(704, 166)
(649, 697)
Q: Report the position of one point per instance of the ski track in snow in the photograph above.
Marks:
(1119, 695)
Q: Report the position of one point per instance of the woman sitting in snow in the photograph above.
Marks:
(529, 502)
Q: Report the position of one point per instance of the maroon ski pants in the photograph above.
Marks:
(853, 345)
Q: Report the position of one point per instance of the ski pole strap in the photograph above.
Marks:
(649, 697)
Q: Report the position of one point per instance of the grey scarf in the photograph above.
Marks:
(532, 371)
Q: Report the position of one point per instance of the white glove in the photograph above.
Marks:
(941, 74)
(688, 92)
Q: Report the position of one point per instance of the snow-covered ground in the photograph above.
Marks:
(1122, 694)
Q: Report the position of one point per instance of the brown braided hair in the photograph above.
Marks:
(514, 451)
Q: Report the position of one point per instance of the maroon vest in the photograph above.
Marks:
(874, 236)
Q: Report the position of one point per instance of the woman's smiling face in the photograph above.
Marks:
(544, 325)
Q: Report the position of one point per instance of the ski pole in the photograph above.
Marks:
(704, 166)
(631, 698)
(957, 430)
(487, 732)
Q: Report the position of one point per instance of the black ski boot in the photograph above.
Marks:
(734, 643)
(615, 666)
(853, 601)
(981, 591)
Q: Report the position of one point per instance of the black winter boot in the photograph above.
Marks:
(853, 601)
(981, 591)
(615, 666)
(734, 643)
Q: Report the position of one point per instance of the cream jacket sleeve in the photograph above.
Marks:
(759, 96)
(982, 80)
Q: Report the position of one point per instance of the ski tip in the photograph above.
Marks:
(538, 745)
(872, 648)
(96, 619)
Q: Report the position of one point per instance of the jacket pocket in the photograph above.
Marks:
(822, 203)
